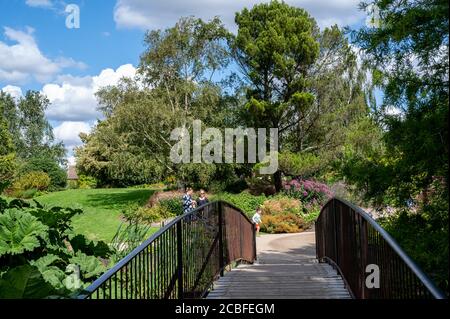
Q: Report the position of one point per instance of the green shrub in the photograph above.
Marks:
(244, 201)
(217, 187)
(425, 244)
(33, 180)
(26, 194)
(170, 183)
(72, 184)
(156, 213)
(285, 222)
(310, 216)
(147, 215)
(260, 184)
(58, 176)
(281, 204)
(173, 205)
(282, 214)
(87, 182)
(7, 170)
(129, 214)
(128, 236)
(234, 186)
(300, 164)
(156, 186)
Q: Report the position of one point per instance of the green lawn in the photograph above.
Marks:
(101, 208)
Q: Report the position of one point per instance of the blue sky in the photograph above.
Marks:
(38, 51)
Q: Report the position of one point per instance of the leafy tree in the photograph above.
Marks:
(28, 143)
(25, 129)
(36, 134)
(408, 50)
(132, 145)
(31, 132)
(407, 46)
(7, 155)
(304, 81)
(342, 94)
(11, 116)
(58, 176)
(181, 62)
(275, 47)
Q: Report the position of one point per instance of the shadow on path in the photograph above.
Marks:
(286, 268)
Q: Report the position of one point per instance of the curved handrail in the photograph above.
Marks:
(424, 279)
(173, 232)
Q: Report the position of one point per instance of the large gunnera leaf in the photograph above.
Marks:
(50, 271)
(90, 266)
(19, 232)
(98, 249)
(24, 282)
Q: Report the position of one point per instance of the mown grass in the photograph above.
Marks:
(102, 208)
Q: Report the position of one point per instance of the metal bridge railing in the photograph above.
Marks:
(183, 258)
(349, 239)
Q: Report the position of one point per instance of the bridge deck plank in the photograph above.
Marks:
(286, 269)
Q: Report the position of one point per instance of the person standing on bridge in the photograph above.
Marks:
(256, 219)
(202, 199)
(188, 203)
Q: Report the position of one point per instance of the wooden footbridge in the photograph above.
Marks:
(212, 252)
(286, 268)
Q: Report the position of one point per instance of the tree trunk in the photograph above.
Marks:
(277, 181)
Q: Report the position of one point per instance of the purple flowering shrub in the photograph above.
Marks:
(311, 193)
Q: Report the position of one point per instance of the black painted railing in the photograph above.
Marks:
(361, 250)
(183, 258)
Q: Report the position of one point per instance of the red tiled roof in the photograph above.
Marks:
(72, 173)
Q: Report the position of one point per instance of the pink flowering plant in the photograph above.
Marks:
(311, 193)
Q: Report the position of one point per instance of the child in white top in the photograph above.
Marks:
(256, 219)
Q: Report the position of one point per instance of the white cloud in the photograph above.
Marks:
(23, 61)
(73, 107)
(111, 77)
(71, 160)
(39, 3)
(68, 132)
(73, 98)
(70, 102)
(146, 14)
(14, 91)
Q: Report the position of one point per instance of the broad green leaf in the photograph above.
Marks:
(98, 249)
(25, 282)
(45, 261)
(90, 266)
(3, 204)
(51, 273)
(19, 232)
(18, 203)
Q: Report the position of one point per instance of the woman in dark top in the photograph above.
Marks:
(202, 200)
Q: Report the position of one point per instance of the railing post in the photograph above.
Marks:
(336, 234)
(221, 257)
(255, 257)
(365, 293)
(180, 258)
